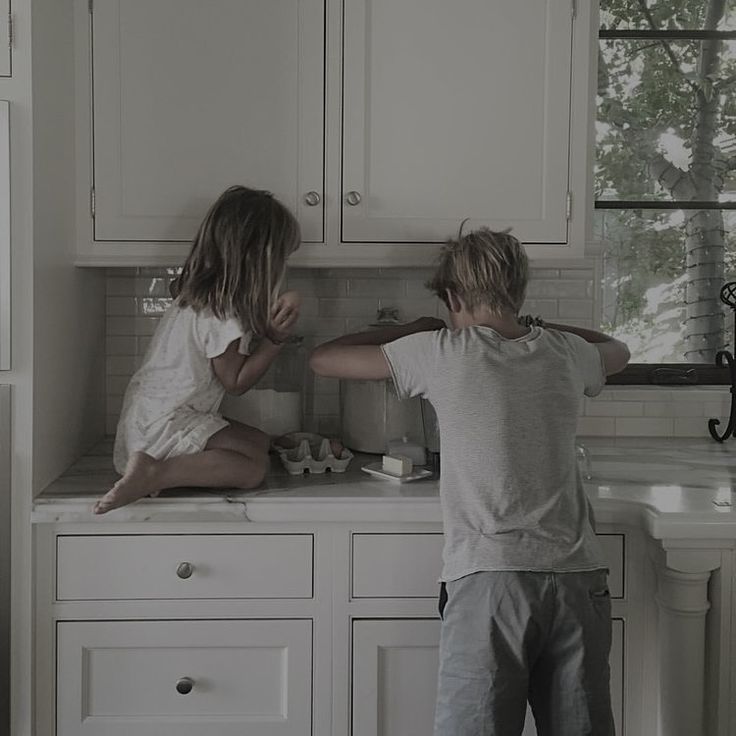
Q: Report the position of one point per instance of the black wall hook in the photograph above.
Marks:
(728, 297)
(723, 356)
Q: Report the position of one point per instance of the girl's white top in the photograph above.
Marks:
(171, 404)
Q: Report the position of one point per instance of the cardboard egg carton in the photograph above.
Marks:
(303, 451)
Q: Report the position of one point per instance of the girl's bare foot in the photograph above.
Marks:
(137, 482)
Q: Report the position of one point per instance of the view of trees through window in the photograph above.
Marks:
(665, 175)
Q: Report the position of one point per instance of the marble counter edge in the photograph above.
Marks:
(658, 524)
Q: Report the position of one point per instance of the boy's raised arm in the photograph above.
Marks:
(359, 355)
(614, 353)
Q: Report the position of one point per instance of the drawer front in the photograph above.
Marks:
(184, 678)
(184, 566)
(408, 565)
(614, 546)
(396, 565)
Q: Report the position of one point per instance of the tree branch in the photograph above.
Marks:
(724, 83)
(676, 181)
(667, 48)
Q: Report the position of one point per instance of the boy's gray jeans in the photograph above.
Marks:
(512, 636)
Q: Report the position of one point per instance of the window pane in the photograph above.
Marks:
(663, 15)
(651, 113)
(662, 274)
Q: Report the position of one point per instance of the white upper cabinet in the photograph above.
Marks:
(6, 38)
(382, 123)
(190, 97)
(5, 260)
(456, 110)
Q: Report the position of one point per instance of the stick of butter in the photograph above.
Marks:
(397, 464)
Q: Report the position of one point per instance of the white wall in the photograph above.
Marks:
(16, 89)
(68, 323)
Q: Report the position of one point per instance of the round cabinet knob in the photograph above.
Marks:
(184, 685)
(312, 199)
(353, 198)
(185, 570)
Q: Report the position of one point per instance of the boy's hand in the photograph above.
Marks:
(429, 324)
(284, 315)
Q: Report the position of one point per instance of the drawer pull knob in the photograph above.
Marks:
(353, 198)
(312, 199)
(184, 685)
(185, 570)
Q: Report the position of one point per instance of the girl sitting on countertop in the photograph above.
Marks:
(170, 433)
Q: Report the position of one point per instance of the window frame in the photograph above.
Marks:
(667, 374)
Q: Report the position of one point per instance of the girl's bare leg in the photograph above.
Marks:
(234, 457)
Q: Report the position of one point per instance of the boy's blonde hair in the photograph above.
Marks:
(485, 269)
(238, 258)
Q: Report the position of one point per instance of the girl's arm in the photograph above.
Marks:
(237, 372)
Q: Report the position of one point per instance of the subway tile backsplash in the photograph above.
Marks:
(338, 300)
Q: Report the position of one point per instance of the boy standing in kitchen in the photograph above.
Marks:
(524, 598)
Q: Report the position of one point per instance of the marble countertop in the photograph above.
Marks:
(675, 488)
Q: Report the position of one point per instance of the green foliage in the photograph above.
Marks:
(666, 14)
(649, 91)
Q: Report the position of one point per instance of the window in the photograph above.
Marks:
(665, 181)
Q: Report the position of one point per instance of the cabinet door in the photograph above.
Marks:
(452, 111)
(395, 677)
(5, 263)
(190, 97)
(4, 559)
(184, 678)
(6, 38)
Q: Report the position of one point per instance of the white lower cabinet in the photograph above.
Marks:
(184, 678)
(395, 677)
(263, 629)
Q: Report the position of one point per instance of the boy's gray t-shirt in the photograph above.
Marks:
(511, 492)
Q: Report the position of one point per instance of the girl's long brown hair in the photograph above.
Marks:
(238, 258)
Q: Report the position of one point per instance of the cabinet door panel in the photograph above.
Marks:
(5, 567)
(192, 97)
(395, 677)
(5, 40)
(5, 264)
(127, 678)
(455, 110)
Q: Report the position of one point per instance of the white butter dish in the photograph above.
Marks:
(376, 469)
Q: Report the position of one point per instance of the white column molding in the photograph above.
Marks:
(693, 560)
(682, 601)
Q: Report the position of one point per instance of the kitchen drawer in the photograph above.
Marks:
(408, 565)
(117, 567)
(184, 678)
(614, 546)
(396, 565)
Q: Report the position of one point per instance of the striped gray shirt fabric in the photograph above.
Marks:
(511, 492)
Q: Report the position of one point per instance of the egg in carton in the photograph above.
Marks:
(304, 451)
